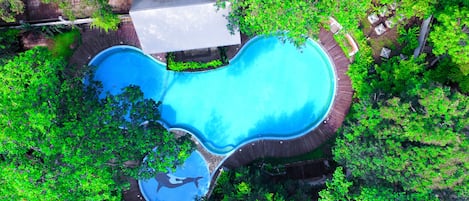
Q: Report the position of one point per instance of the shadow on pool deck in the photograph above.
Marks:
(94, 41)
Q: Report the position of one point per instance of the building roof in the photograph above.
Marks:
(176, 25)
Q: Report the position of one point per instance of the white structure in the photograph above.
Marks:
(177, 25)
(380, 29)
(373, 18)
(385, 53)
(334, 25)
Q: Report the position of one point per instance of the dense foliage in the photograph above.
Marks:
(9, 44)
(340, 188)
(406, 137)
(249, 183)
(412, 8)
(448, 37)
(416, 143)
(102, 15)
(10, 8)
(293, 20)
(63, 140)
(101, 11)
(104, 18)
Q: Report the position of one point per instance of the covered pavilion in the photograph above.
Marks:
(179, 25)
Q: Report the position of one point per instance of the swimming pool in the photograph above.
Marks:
(270, 90)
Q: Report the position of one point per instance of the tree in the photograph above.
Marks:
(291, 20)
(100, 11)
(61, 141)
(408, 39)
(396, 76)
(249, 183)
(411, 8)
(347, 13)
(10, 8)
(337, 188)
(447, 35)
(340, 188)
(9, 43)
(447, 72)
(104, 18)
(417, 143)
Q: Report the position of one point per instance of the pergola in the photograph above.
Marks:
(178, 25)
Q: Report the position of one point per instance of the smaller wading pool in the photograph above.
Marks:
(188, 181)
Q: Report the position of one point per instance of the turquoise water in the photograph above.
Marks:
(193, 180)
(269, 90)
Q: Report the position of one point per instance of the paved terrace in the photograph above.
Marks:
(94, 41)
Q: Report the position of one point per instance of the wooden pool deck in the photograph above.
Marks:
(94, 41)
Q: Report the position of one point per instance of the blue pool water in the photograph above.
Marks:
(269, 90)
(189, 180)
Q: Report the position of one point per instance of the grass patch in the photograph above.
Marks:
(63, 42)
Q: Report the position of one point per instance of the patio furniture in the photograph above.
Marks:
(389, 23)
(353, 44)
(385, 53)
(334, 25)
(380, 29)
(373, 18)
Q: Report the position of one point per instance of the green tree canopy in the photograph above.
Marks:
(61, 141)
(250, 183)
(412, 8)
(418, 143)
(10, 8)
(293, 20)
(448, 37)
(340, 188)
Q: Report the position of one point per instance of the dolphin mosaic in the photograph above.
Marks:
(171, 181)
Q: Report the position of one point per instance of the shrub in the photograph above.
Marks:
(183, 66)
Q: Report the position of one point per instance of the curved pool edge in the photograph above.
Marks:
(109, 49)
(228, 149)
(145, 196)
(231, 148)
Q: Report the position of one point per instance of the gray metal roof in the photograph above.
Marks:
(175, 25)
